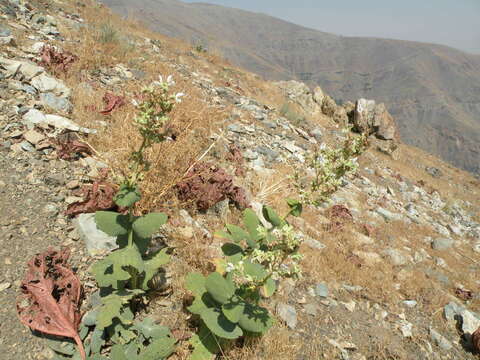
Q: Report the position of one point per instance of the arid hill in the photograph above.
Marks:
(433, 91)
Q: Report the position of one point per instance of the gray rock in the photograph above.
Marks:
(272, 155)
(317, 134)
(25, 145)
(250, 155)
(4, 31)
(442, 244)
(321, 290)
(26, 68)
(440, 340)
(311, 309)
(35, 117)
(396, 257)
(96, 241)
(451, 310)
(56, 102)
(314, 244)
(288, 314)
(434, 172)
(388, 215)
(45, 83)
(470, 321)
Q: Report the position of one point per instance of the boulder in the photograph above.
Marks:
(329, 106)
(301, 94)
(44, 83)
(374, 119)
(340, 116)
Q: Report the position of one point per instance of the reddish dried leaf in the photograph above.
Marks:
(368, 229)
(206, 184)
(55, 59)
(463, 294)
(112, 102)
(51, 296)
(69, 150)
(98, 196)
(235, 156)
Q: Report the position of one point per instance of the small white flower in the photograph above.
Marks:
(160, 77)
(178, 97)
(135, 102)
(170, 81)
(230, 267)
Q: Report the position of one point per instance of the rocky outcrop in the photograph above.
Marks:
(299, 93)
(374, 119)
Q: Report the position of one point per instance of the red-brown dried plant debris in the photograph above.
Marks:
(69, 150)
(57, 60)
(51, 296)
(207, 184)
(338, 215)
(112, 102)
(98, 196)
(463, 294)
(235, 156)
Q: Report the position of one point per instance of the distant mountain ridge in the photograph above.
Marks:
(433, 91)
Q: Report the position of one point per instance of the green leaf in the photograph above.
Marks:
(220, 325)
(219, 288)
(224, 235)
(150, 330)
(127, 196)
(149, 224)
(237, 233)
(112, 223)
(112, 271)
(112, 307)
(269, 287)
(118, 353)
(251, 222)
(230, 249)
(97, 340)
(272, 217)
(233, 309)
(158, 349)
(295, 206)
(255, 270)
(61, 346)
(195, 282)
(255, 319)
(152, 265)
(90, 318)
(201, 303)
(205, 344)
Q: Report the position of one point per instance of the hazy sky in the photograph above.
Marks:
(450, 22)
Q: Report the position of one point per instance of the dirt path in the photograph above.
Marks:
(31, 204)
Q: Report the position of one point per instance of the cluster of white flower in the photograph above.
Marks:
(329, 167)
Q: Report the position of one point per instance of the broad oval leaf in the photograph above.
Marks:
(230, 249)
(269, 287)
(272, 217)
(219, 288)
(112, 223)
(238, 234)
(149, 224)
(195, 282)
(233, 309)
(220, 325)
(255, 270)
(160, 348)
(251, 222)
(255, 319)
(127, 196)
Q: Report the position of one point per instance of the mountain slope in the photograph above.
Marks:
(433, 91)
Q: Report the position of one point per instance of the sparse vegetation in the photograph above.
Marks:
(289, 113)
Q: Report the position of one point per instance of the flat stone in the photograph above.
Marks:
(311, 309)
(26, 68)
(56, 103)
(288, 314)
(96, 241)
(33, 137)
(321, 290)
(35, 117)
(314, 244)
(45, 83)
(388, 215)
(370, 258)
(396, 257)
(439, 340)
(4, 286)
(26, 146)
(442, 244)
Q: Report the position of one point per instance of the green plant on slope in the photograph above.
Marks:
(126, 274)
(329, 167)
(228, 301)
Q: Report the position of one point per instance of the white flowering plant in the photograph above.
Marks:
(327, 167)
(256, 257)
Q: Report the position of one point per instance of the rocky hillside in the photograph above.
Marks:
(431, 90)
(391, 264)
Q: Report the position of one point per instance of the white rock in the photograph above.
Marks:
(96, 241)
(36, 117)
(27, 69)
(45, 83)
